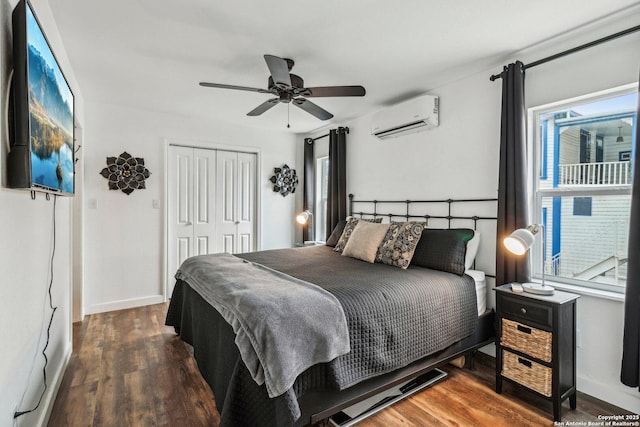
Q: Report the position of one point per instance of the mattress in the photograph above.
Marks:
(481, 289)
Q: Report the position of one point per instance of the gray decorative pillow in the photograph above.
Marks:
(400, 243)
(336, 233)
(348, 229)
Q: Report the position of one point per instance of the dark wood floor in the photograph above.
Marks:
(128, 369)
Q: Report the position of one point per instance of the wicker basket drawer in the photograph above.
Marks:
(527, 372)
(526, 339)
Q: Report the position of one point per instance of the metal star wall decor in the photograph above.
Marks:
(285, 180)
(125, 173)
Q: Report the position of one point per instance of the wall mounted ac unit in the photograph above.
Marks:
(410, 116)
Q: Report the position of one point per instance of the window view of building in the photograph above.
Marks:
(583, 189)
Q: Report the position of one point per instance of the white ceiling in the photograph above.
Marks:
(152, 54)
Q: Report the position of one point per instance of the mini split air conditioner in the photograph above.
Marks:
(410, 116)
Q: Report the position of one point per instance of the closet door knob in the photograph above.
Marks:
(189, 223)
(237, 222)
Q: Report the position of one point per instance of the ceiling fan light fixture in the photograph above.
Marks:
(285, 97)
(290, 88)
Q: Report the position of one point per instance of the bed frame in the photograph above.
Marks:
(408, 214)
(317, 406)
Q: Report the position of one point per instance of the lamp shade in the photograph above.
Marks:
(303, 217)
(520, 241)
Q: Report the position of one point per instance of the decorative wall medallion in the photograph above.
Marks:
(285, 180)
(125, 173)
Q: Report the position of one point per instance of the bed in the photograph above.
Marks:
(435, 319)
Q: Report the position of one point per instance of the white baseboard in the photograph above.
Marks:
(625, 397)
(50, 397)
(124, 304)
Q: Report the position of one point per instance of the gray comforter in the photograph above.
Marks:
(283, 325)
(394, 317)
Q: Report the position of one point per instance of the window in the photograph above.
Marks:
(582, 206)
(583, 187)
(322, 190)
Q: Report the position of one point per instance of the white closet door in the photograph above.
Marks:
(204, 187)
(226, 172)
(246, 200)
(236, 198)
(211, 204)
(179, 210)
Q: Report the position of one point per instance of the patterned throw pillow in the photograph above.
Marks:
(400, 243)
(348, 229)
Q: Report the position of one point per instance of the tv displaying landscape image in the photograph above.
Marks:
(50, 115)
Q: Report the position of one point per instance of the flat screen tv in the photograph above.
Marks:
(42, 146)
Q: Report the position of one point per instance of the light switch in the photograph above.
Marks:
(155, 203)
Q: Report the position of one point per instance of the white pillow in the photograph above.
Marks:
(472, 250)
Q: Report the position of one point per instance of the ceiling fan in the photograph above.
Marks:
(289, 88)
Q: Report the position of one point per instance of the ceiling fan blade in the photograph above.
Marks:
(334, 91)
(263, 107)
(221, 86)
(312, 108)
(279, 71)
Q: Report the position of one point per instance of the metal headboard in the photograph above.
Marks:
(408, 215)
(377, 210)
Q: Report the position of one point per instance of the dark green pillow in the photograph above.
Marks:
(442, 249)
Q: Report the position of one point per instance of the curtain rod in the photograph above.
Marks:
(575, 49)
(326, 134)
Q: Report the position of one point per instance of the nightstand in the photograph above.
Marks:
(536, 344)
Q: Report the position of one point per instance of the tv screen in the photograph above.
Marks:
(43, 147)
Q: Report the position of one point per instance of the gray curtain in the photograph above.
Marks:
(512, 185)
(630, 374)
(337, 188)
(308, 232)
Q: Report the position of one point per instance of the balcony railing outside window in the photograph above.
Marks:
(601, 173)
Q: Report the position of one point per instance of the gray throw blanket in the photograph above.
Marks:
(283, 325)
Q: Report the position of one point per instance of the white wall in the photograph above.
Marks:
(460, 159)
(26, 228)
(124, 235)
